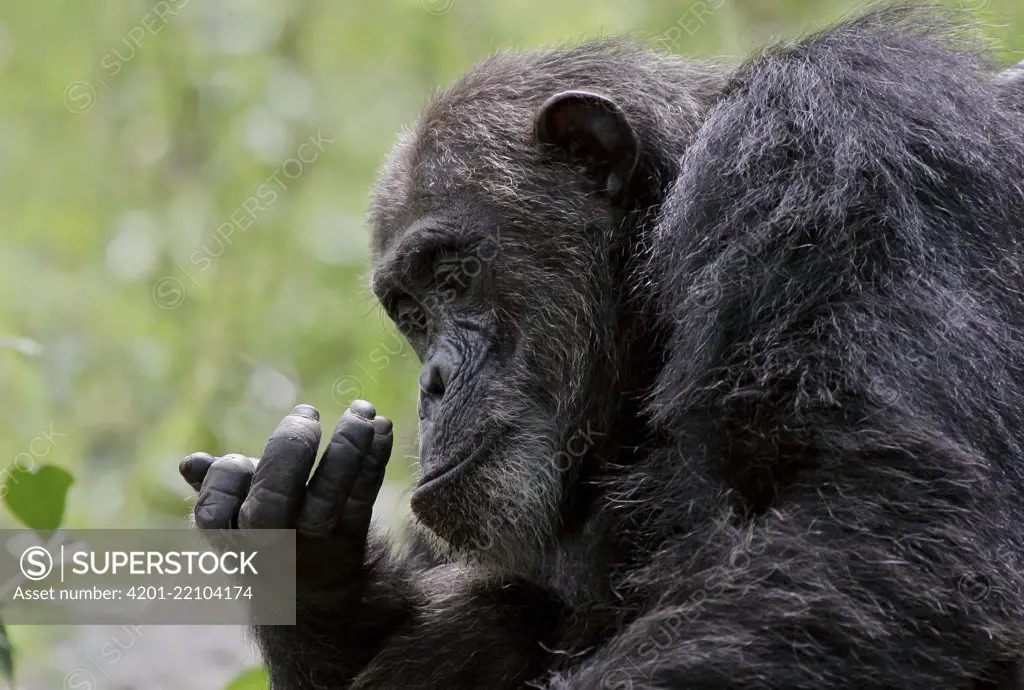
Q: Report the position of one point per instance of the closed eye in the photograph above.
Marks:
(458, 274)
(410, 316)
(450, 274)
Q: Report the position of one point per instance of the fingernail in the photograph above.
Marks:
(382, 426)
(363, 409)
(307, 411)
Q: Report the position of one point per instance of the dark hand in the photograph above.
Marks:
(331, 510)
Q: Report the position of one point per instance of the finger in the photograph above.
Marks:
(223, 490)
(279, 484)
(338, 470)
(194, 468)
(358, 509)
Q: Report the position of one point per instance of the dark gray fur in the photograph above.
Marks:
(799, 347)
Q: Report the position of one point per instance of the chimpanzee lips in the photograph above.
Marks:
(437, 470)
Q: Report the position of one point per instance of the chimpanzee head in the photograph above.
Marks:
(508, 224)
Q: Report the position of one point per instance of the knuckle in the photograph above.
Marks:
(209, 511)
(379, 454)
(250, 516)
(264, 510)
(352, 439)
(234, 463)
(298, 428)
(296, 448)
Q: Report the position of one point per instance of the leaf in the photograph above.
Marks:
(6, 655)
(250, 679)
(37, 496)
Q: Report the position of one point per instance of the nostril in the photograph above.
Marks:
(431, 381)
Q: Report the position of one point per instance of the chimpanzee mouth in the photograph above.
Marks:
(460, 460)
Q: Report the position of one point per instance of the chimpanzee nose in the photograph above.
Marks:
(435, 377)
(432, 382)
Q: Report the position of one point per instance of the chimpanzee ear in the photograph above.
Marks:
(594, 131)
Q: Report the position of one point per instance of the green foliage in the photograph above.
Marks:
(6, 655)
(37, 496)
(251, 679)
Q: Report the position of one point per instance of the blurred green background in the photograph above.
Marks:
(183, 254)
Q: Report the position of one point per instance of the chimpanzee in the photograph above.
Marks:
(722, 385)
